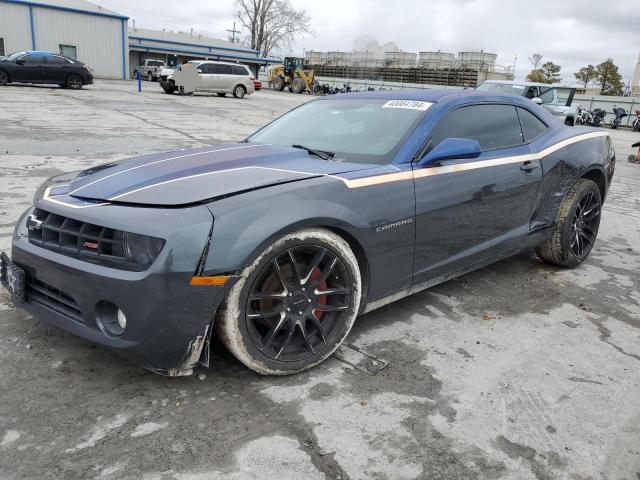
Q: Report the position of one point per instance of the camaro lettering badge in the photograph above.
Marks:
(399, 223)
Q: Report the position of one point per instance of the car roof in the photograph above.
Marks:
(200, 62)
(431, 95)
(527, 84)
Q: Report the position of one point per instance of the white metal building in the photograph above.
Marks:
(173, 48)
(74, 28)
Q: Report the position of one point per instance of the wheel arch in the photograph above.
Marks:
(599, 178)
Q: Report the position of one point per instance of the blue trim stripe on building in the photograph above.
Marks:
(173, 42)
(65, 9)
(33, 30)
(123, 23)
(150, 48)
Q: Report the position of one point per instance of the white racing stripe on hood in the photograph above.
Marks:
(161, 161)
(310, 174)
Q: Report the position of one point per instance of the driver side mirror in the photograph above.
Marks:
(451, 148)
(20, 61)
(537, 100)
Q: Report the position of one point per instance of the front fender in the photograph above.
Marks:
(248, 223)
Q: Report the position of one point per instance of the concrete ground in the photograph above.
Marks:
(519, 371)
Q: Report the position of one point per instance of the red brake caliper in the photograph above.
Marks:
(322, 300)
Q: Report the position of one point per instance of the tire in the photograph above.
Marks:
(317, 89)
(298, 85)
(74, 82)
(307, 327)
(4, 78)
(239, 91)
(222, 94)
(169, 90)
(278, 83)
(182, 92)
(578, 121)
(576, 225)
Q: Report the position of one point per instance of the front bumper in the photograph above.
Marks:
(168, 320)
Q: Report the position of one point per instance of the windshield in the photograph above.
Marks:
(514, 89)
(14, 56)
(357, 130)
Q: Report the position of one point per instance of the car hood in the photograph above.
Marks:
(191, 176)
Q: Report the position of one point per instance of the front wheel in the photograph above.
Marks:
(4, 78)
(576, 226)
(239, 91)
(294, 305)
(169, 90)
(74, 82)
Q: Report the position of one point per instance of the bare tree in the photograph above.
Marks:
(271, 24)
(535, 60)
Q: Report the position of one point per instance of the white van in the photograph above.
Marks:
(216, 77)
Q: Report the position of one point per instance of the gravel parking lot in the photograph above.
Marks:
(520, 370)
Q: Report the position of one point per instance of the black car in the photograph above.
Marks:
(44, 67)
(279, 242)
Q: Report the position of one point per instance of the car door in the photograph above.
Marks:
(56, 69)
(470, 210)
(224, 78)
(206, 76)
(29, 68)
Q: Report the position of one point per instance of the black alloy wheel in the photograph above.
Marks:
(584, 227)
(298, 303)
(74, 82)
(4, 77)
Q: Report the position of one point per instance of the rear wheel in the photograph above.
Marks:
(239, 91)
(294, 305)
(278, 83)
(298, 85)
(4, 77)
(576, 226)
(74, 82)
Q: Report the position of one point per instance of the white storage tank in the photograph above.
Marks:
(315, 58)
(436, 59)
(400, 59)
(477, 60)
(341, 59)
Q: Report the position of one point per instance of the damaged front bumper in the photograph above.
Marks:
(169, 321)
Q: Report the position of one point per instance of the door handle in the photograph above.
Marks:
(528, 166)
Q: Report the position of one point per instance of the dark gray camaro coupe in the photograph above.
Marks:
(277, 243)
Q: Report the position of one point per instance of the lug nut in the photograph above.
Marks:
(288, 309)
(302, 289)
(300, 313)
(308, 300)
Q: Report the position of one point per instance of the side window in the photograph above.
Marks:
(206, 68)
(238, 70)
(532, 126)
(2, 47)
(69, 51)
(55, 60)
(548, 96)
(33, 59)
(493, 126)
(223, 69)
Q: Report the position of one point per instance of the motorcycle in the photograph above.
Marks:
(582, 116)
(635, 126)
(597, 117)
(619, 113)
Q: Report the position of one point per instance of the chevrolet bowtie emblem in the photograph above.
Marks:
(33, 222)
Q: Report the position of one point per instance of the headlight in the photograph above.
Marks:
(139, 249)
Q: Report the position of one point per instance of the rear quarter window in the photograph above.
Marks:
(238, 70)
(532, 126)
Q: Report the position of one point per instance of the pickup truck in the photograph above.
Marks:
(149, 69)
(556, 99)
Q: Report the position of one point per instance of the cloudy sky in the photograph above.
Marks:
(571, 33)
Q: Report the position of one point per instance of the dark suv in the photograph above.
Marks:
(44, 67)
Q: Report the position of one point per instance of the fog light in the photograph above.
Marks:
(122, 320)
(111, 320)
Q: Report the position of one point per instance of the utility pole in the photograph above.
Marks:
(232, 33)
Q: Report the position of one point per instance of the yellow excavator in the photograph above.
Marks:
(294, 76)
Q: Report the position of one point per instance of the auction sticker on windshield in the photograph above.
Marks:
(409, 104)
